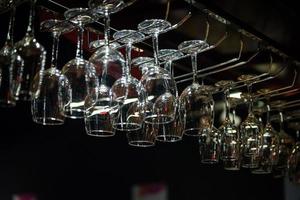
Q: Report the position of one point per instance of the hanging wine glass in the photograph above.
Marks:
(230, 139)
(127, 90)
(101, 109)
(51, 90)
(209, 141)
(294, 159)
(269, 143)
(34, 56)
(80, 72)
(109, 62)
(144, 63)
(157, 80)
(194, 101)
(286, 144)
(250, 130)
(172, 131)
(6, 72)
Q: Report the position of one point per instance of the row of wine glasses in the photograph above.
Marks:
(102, 91)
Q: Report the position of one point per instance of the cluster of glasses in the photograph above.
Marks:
(102, 91)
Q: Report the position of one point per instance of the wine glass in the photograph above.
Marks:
(286, 144)
(127, 90)
(51, 91)
(156, 80)
(194, 101)
(80, 72)
(269, 143)
(294, 159)
(250, 130)
(209, 141)
(144, 63)
(33, 55)
(172, 131)
(6, 73)
(109, 63)
(230, 138)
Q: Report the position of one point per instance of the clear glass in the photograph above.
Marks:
(294, 159)
(127, 90)
(157, 80)
(195, 101)
(172, 131)
(6, 71)
(286, 143)
(230, 138)
(52, 91)
(250, 134)
(80, 72)
(106, 6)
(268, 149)
(33, 55)
(101, 108)
(209, 141)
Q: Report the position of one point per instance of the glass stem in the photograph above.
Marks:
(226, 94)
(106, 28)
(54, 53)
(30, 27)
(268, 114)
(194, 66)
(168, 67)
(281, 121)
(79, 50)
(233, 117)
(155, 48)
(128, 60)
(10, 32)
(249, 87)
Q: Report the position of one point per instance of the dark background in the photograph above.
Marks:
(64, 163)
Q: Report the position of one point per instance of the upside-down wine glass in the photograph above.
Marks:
(156, 80)
(146, 136)
(128, 91)
(101, 109)
(6, 71)
(172, 131)
(51, 92)
(34, 56)
(109, 62)
(286, 144)
(250, 130)
(80, 72)
(209, 141)
(269, 144)
(294, 159)
(194, 101)
(230, 139)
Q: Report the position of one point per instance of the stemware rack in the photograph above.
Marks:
(263, 42)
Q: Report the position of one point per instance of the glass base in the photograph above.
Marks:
(99, 133)
(192, 132)
(48, 121)
(231, 165)
(158, 119)
(141, 143)
(209, 161)
(168, 138)
(74, 113)
(127, 126)
(261, 171)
